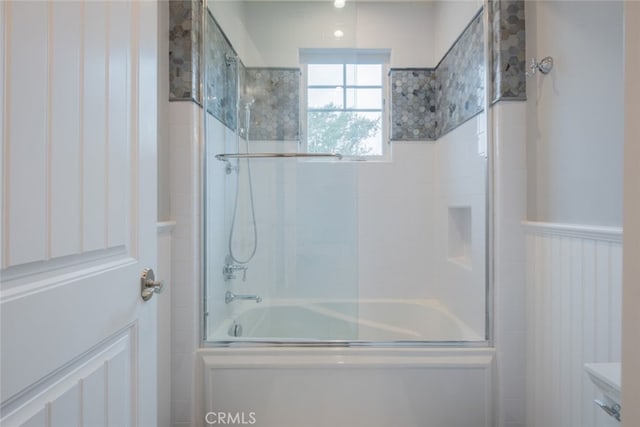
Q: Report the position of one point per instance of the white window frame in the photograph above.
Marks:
(348, 56)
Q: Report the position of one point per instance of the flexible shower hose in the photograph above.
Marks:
(234, 257)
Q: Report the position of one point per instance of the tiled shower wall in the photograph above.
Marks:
(185, 301)
(425, 103)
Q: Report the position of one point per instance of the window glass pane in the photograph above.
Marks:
(347, 133)
(364, 74)
(373, 143)
(325, 98)
(324, 74)
(364, 98)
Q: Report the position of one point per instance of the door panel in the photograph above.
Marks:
(64, 177)
(25, 144)
(94, 130)
(79, 212)
(88, 394)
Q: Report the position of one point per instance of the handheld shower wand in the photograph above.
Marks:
(233, 255)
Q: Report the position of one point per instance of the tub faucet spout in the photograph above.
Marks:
(230, 296)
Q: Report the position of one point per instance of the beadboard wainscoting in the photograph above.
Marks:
(574, 290)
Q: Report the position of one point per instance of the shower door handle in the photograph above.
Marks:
(148, 284)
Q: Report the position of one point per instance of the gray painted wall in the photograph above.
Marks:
(575, 114)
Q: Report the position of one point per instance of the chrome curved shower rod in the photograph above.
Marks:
(226, 156)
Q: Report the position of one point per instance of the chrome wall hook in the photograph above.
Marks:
(544, 66)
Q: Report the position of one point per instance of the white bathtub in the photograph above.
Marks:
(365, 320)
(346, 386)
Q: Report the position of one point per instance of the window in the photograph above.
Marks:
(345, 103)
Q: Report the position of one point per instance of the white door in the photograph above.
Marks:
(78, 127)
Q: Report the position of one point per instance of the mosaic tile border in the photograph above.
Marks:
(223, 69)
(275, 92)
(460, 77)
(508, 48)
(185, 39)
(425, 109)
(413, 104)
(419, 110)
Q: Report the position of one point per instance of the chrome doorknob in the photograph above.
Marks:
(148, 284)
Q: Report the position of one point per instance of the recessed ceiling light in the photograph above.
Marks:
(339, 3)
(338, 34)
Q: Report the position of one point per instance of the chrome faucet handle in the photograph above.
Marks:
(228, 271)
